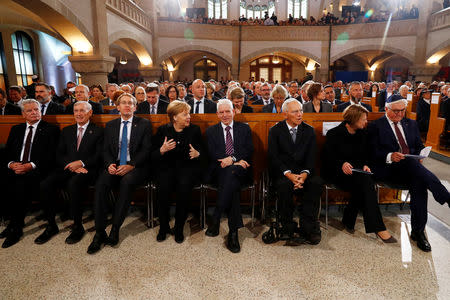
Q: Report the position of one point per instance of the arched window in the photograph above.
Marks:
(298, 8)
(23, 53)
(256, 11)
(218, 9)
(271, 68)
(2, 66)
(205, 69)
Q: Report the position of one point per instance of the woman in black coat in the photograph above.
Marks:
(178, 152)
(345, 150)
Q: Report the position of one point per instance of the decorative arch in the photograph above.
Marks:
(440, 51)
(134, 43)
(280, 49)
(372, 47)
(216, 52)
(66, 23)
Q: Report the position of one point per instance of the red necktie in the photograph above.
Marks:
(229, 142)
(80, 136)
(401, 140)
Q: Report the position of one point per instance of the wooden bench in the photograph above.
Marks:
(259, 123)
(437, 124)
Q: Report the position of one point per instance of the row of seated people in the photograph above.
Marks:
(124, 154)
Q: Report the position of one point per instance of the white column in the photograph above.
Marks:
(233, 9)
(281, 10)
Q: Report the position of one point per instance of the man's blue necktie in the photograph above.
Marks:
(124, 144)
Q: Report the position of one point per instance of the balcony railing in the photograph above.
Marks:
(130, 11)
(440, 20)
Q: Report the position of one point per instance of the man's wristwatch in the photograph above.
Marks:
(233, 158)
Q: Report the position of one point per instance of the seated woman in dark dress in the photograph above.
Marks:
(178, 151)
(317, 103)
(346, 148)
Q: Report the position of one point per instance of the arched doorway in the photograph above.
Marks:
(271, 68)
(205, 69)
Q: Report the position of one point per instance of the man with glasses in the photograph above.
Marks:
(265, 90)
(393, 137)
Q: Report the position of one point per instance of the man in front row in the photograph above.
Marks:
(30, 153)
(230, 150)
(126, 156)
(292, 153)
(78, 162)
(392, 137)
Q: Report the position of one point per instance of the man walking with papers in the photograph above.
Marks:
(393, 137)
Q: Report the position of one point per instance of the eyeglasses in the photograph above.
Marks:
(397, 111)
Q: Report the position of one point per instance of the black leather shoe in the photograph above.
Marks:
(48, 233)
(97, 242)
(213, 230)
(313, 238)
(179, 236)
(75, 235)
(422, 241)
(12, 238)
(162, 234)
(113, 238)
(233, 242)
(4, 233)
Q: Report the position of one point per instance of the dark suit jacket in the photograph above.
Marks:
(341, 107)
(325, 107)
(89, 152)
(255, 98)
(284, 155)
(105, 102)
(43, 148)
(423, 115)
(179, 156)
(144, 107)
(11, 109)
(268, 108)
(246, 109)
(383, 141)
(242, 144)
(140, 142)
(97, 108)
(55, 109)
(260, 101)
(210, 106)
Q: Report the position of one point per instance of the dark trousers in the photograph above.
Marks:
(126, 185)
(75, 184)
(419, 179)
(310, 194)
(229, 181)
(364, 198)
(24, 189)
(181, 181)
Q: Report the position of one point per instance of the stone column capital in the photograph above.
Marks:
(424, 72)
(150, 73)
(92, 64)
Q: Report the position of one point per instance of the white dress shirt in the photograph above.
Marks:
(201, 108)
(399, 125)
(45, 107)
(225, 132)
(27, 129)
(155, 105)
(130, 121)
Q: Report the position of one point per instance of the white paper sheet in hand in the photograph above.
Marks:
(425, 151)
(327, 126)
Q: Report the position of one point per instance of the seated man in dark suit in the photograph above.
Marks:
(153, 105)
(111, 89)
(230, 148)
(292, 154)
(200, 105)
(237, 97)
(82, 94)
(391, 138)
(126, 156)
(7, 108)
(30, 152)
(256, 92)
(265, 91)
(78, 161)
(330, 95)
(356, 95)
(47, 106)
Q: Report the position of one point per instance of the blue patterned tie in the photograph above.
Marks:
(229, 142)
(124, 144)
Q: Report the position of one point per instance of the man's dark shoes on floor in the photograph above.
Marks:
(4, 233)
(179, 236)
(97, 242)
(233, 242)
(162, 235)
(75, 235)
(422, 241)
(213, 230)
(313, 238)
(13, 237)
(49, 232)
(113, 238)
